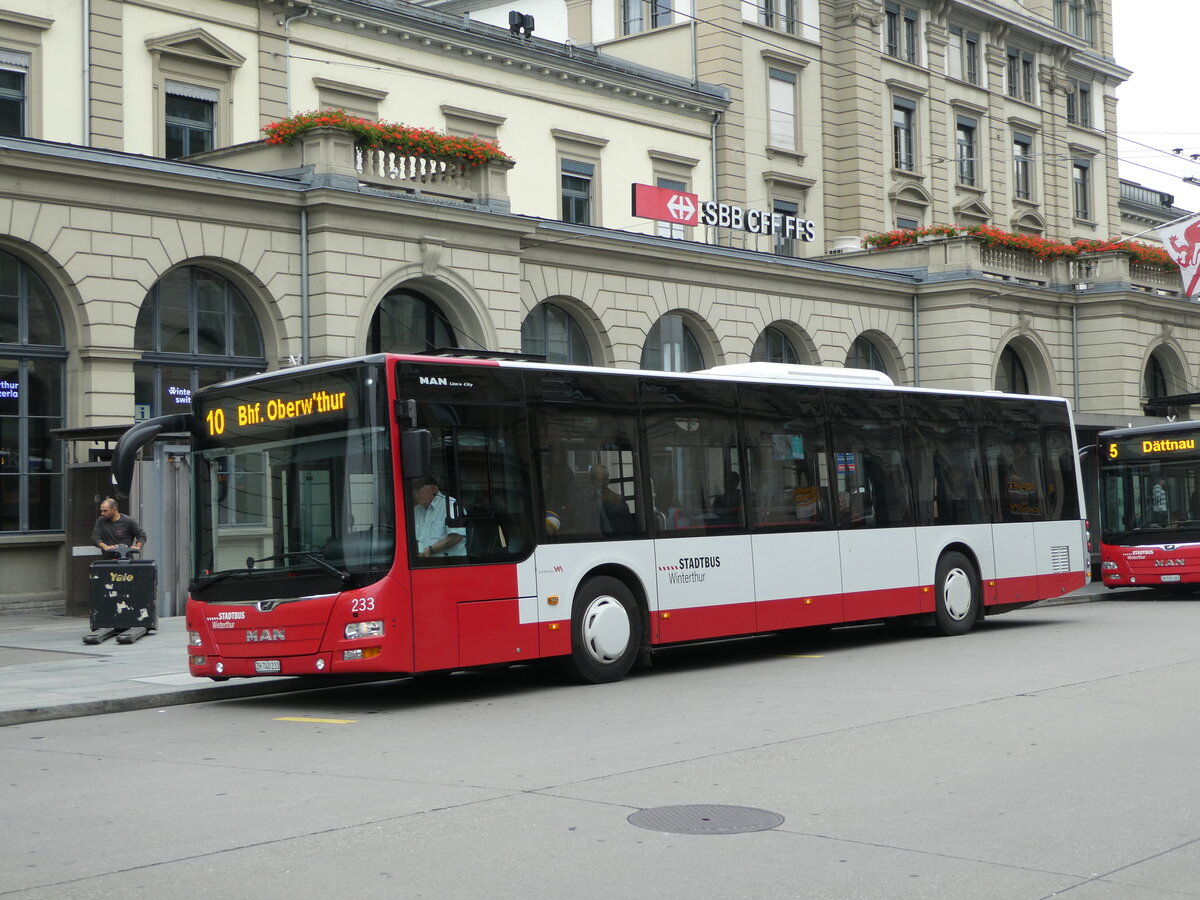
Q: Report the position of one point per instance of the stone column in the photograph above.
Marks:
(857, 157)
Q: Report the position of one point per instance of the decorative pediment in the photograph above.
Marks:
(198, 45)
(1028, 222)
(910, 192)
(972, 210)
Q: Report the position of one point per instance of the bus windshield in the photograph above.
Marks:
(293, 484)
(1151, 501)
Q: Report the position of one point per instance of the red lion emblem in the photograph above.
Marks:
(1187, 253)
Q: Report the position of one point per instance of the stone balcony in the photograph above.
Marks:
(329, 157)
(947, 259)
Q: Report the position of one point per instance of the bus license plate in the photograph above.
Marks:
(266, 666)
(1167, 578)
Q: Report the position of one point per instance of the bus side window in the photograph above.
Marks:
(787, 457)
(480, 459)
(691, 435)
(868, 442)
(586, 452)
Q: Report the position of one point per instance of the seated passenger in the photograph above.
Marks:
(613, 511)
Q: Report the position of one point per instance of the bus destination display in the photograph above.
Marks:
(252, 411)
(1152, 448)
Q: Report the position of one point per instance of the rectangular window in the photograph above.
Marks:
(577, 180)
(631, 17)
(965, 150)
(910, 35)
(785, 246)
(906, 223)
(1022, 166)
(671, 229)
(1015, 462)
(14, 80)
(1079, 103)
(962, 55)
(1082, 188)
(31, 456)
(781, 100)
(691, 436)
(636, 13)
(900, 32)
(870, 469)
(784, 436)
(903, 113)
(190, 119)
(942, 443)
(778, 14)
(587, 456)
(1021, 74)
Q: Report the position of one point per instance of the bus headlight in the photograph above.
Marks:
(1108, 565)
(194, 639)
(364, 629)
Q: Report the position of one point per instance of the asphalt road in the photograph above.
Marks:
(1052, 751)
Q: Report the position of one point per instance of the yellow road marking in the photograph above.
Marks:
(322, 721)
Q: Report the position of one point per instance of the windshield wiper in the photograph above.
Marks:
(311, 555)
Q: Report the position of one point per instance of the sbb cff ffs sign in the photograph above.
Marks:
(682, 208)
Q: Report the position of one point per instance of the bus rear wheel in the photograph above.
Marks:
(606, 631)
(958, 594)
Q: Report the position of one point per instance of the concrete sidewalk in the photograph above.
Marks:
(47, 672)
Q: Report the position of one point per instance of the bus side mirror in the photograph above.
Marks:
(416, 448)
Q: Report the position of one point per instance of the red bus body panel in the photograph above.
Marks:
(1150, 564)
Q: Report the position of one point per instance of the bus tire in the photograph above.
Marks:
(606, 631)
(958, 597)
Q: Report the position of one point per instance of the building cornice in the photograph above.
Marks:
(459, 38)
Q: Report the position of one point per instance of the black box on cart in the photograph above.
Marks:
(123, 594)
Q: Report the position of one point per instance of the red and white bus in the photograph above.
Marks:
(603, 512)
(1150, 505)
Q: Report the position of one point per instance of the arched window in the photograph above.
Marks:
(1011, 376)
(774, 346)
(1155, 378)
(671, 346)
(408, 322)
(865, 355)
(32, 390)
(195, 329)
(552, 332)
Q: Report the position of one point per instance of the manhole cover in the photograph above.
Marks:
(705, 819)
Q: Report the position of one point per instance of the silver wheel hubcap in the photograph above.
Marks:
(956, 594)
(605, 629)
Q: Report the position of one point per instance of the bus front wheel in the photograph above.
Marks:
(606, 631)
(958, 594)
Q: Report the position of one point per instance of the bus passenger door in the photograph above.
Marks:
(469, 520)
(704, 568)
(876, 519)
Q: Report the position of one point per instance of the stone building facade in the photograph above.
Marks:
(129, 278)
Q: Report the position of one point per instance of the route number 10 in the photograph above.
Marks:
(216, 421)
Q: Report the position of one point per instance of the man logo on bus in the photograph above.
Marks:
(266, 634)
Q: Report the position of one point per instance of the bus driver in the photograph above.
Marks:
(430, 510)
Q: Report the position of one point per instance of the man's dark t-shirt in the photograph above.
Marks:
(125, 530)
